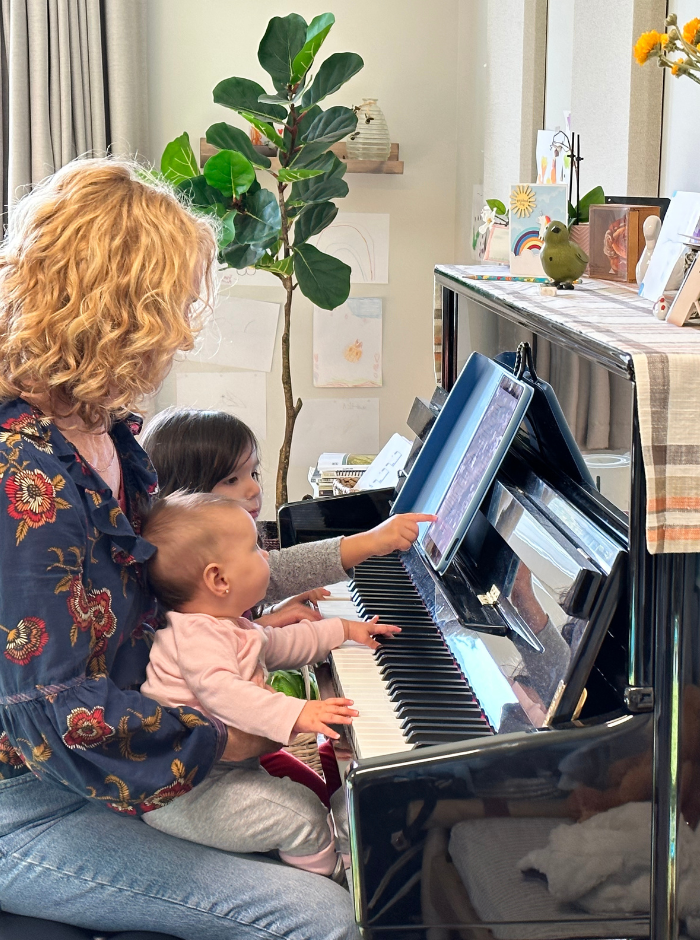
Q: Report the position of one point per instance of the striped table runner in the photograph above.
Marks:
(666, 362)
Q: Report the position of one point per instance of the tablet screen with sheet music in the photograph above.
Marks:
(476, 470)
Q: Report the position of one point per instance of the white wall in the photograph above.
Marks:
(615, 104)
(515, 37)
(410, 53)
(680, 151)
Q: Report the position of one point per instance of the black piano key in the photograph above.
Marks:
(398, 690)
(433, 700)
(467, 709)
(428, 738)
(387, 670)
(434, 696)
(410, 725)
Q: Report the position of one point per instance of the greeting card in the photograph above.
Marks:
(532, 208)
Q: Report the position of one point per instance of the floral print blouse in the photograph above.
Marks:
(76, 625)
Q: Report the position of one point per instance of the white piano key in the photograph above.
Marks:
(377, 731)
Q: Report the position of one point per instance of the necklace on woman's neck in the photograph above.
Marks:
(112, 459)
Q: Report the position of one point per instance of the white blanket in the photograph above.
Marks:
(604, 864)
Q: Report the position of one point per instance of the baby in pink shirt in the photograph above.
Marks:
(208, 570)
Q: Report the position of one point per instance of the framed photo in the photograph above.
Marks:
(685, 304)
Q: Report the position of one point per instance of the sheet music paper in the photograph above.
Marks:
(384, 469)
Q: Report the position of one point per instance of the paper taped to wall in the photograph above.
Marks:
(242, 394)
(335, 424)
(347, 346)
(360, 239)
(241, 334)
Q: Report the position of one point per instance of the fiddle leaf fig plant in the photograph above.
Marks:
(269, 229)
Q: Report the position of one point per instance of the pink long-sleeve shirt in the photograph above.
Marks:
(219, 667)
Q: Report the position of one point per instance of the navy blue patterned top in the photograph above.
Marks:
(76, 624)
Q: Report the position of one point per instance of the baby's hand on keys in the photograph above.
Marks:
(316, 716)
(364, 631)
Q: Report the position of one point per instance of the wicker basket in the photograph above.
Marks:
(305, 748)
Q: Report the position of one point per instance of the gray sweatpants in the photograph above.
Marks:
(239, 807)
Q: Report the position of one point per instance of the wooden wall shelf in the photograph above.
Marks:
(392, 165)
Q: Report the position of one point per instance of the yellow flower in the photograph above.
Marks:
(522, 201)
(648, 44)
(691, 31)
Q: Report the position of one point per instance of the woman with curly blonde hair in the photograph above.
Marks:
(102, 279)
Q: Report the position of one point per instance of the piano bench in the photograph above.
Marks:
(16, 927)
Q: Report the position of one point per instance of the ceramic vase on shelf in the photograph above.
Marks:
(371, 140)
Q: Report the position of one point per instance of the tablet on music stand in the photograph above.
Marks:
(462, 454)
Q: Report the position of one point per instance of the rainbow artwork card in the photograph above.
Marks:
(532, 208)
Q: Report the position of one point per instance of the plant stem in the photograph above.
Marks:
(291, 410)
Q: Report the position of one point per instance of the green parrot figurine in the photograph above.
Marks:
(563, 260)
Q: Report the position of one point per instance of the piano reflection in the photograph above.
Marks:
(502, 714)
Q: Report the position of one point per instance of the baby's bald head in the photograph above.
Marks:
(190, 531)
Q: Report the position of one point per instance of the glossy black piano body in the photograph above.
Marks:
(439, 831)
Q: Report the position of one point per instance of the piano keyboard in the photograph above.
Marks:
(410, 692)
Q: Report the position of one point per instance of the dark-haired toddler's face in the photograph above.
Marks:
(243, 485)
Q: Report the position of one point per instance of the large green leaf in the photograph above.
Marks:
(226, 217)
(226, 137)
(261, 219)
(282, 99)
(284, 38)
(266, 129)
(593, 198)
(324, 162)
(242, 256)
(322, 278)
(332, 75)
(318, 29)
(178, 162)
(242, 94)
(320, 189)
(331, 126)
(312, 220)
(200, 193)
(292, 174)
(230, 172)
(283, 266)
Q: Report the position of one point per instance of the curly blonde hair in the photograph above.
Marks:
(103, 277)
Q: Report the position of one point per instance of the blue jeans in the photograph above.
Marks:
(65, 858)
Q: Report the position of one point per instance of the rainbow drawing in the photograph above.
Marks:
(528, 241)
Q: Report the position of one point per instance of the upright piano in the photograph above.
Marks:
(545, 681)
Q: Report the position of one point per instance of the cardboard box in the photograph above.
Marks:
(617, 240)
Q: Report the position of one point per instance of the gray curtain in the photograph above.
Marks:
(73, 81)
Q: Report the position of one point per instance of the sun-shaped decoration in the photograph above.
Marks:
(522, 201)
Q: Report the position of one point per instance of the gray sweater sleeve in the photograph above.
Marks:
(304, 567)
